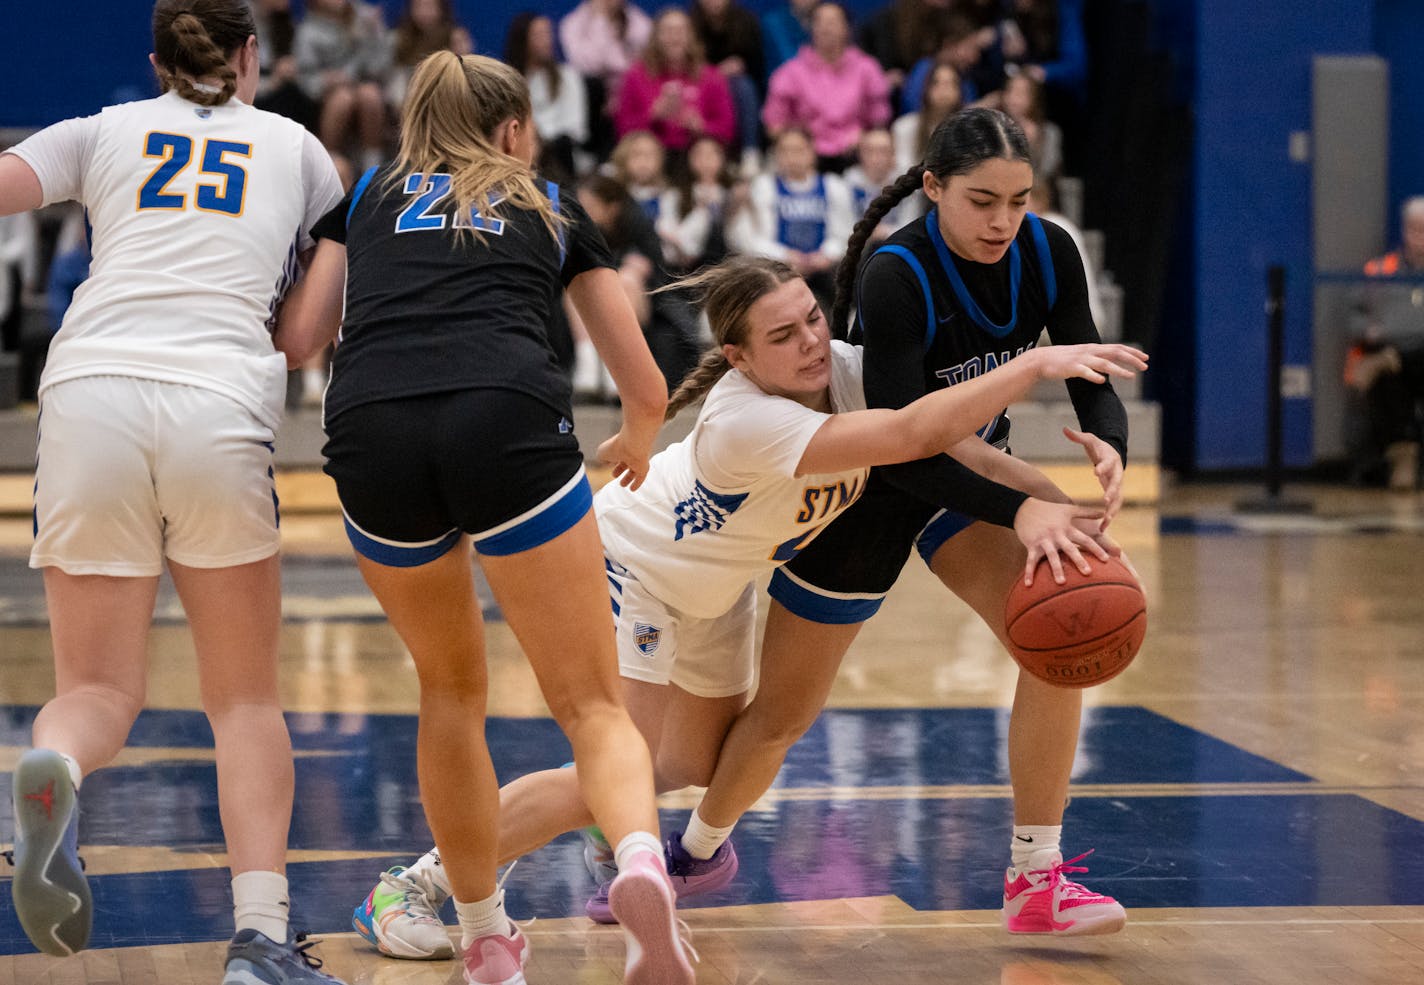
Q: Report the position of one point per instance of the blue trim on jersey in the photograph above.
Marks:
(961, 291)
(544, 526)
(552, 190)
(815, 607)
(398, 555)
(358, 191)
(924, 279)
(942, 527)
(1045, 258)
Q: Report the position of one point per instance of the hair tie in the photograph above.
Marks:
(204, 87)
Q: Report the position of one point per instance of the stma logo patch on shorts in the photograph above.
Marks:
(646, 638)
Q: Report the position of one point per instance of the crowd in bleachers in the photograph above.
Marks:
(694, 131)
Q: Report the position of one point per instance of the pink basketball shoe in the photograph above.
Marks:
(496, 960)
(1042, 900)
(643, 901)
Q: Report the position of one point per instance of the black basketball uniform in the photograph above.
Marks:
(930, 319)
(447, 411)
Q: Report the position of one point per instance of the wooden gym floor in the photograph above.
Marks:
(1253, 785)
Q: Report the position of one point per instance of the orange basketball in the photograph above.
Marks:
(1080, 633)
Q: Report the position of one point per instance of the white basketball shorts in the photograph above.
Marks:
(131, 471)
(711, 658)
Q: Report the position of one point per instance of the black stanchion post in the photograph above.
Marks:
(1274, 501)
(1275, 359)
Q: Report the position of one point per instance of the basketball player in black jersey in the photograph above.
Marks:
(449, 424)
(946, 298)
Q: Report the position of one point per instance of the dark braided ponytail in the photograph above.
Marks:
(958, 145)
(728, 291)
(194, 39)
(890, 196)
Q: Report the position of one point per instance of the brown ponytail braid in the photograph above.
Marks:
(194, 39)
(701, 378)
(890, 196)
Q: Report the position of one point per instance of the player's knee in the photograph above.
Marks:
(122, 701)
(452, 681)
(584, 716)
(772, 726)
(673, 772)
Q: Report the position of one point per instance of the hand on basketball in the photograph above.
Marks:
(1107, 466)
(1091, 361)
(629, 459)
(1053, 531)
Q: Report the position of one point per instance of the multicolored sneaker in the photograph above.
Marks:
(401, 917)
(694, 876)
(254, 958)
(643, 901)
(50, 892)
(1042, 900)
(690, 876)
(496, 960)
(598, 855)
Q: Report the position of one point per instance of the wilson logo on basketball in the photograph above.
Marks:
(1078, 622)
(1080, 633)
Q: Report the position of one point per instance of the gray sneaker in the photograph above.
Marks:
(50, 892)
(598, 855)
(255, 959)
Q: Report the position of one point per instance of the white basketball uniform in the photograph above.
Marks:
(717, 510)
(198, 215)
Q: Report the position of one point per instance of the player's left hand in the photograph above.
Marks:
(1107, 466)
(628, 458)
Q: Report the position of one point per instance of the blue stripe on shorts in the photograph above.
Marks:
(551, 520)
(942, 526)
(814, 605)
(397, 555)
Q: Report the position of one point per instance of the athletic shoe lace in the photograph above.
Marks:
(418, 894)
(301, 944)
(1070, 888)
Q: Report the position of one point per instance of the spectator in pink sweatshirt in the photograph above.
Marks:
(602, 38)
(831, 88)
(672, 92)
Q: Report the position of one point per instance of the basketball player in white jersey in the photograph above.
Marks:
(782, 445)
(158, 406)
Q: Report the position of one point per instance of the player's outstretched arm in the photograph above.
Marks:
(20, 188)
(998, 465)
(600, 301)
(311, 314)
(945, 417)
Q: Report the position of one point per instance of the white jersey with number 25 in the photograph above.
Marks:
(197, 216)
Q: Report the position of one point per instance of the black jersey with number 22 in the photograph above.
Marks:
(431, 308)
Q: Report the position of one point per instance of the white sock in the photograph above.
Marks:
(1030, 838)
(701, 840)
(75, 775)
(631, 845)
(482, 918)
(430, 867)
(259, 902)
